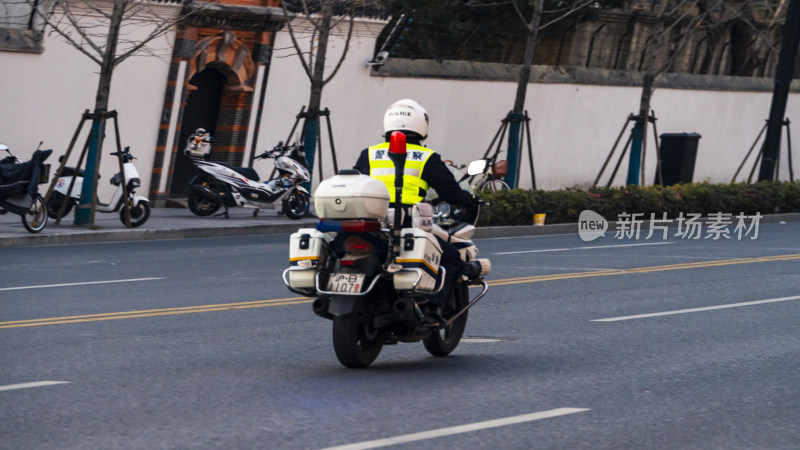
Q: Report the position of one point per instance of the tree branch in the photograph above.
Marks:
(344, 53)
(299, 51)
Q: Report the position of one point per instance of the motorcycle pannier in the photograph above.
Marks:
(419, 251)
(351, 197)
(307, 250)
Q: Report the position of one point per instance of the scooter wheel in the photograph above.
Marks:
(201, 206)
(296, 205)
(139, 214)
(54, 205)
(36, 218)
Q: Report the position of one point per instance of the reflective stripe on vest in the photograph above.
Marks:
(382, 168)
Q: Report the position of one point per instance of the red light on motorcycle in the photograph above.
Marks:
(361, 226)
(356, 246)
(347, 262)
(397, 143)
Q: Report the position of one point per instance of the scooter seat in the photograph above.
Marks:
(247, 172)
(71, 172)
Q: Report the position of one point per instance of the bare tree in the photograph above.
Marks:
(324, 17)
(678, 22)
(107, 33)
(557, 11)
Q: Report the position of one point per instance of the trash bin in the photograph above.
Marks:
(678, 154)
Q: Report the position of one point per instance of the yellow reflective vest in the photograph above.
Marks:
(382, 168)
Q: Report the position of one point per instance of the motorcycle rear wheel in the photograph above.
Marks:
(442, 342)
(201, 206)
(296, 205)
(355, 342)
(36, 218)
(54, 205)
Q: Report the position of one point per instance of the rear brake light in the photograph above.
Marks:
(349, 226)
(356, 246)
(361, 226)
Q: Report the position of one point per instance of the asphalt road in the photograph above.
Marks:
(196, 343)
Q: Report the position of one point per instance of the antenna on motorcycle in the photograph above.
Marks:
(397, 153)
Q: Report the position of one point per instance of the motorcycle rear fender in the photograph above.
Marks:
(341, 305)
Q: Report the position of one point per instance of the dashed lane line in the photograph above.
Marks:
(301, 300)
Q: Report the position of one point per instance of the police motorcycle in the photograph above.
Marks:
(70, 185)
(218, 184)
(19, 187)
(370, 277)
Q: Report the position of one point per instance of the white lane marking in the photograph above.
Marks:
(480, 340)
(591, 247)
(691, 310)
(10, 387)
(19, 288)
(402, 439)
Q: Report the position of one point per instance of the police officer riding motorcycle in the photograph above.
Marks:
(424, 169)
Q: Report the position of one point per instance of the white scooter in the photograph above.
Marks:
(219, 184)
(66, 188)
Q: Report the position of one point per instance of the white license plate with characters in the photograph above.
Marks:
(349, 283)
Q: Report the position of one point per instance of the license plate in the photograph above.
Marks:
(349, 283)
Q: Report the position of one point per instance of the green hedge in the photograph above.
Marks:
(517, 206)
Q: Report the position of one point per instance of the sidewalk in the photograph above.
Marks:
(164, 223)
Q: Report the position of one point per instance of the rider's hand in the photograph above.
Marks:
(473, 201)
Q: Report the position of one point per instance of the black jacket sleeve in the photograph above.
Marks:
(439, 177)
(362, 164)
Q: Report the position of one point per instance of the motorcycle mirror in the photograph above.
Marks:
(476, 167)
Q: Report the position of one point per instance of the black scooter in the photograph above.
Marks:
(19, 187)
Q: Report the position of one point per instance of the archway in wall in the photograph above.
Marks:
(219, 75)
(201, 111)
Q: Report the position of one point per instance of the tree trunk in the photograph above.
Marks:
(84, 214)
(311, 124)
(515, 128)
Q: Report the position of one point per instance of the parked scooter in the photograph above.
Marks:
(219, 184)
(70, 184)
(19, 187)
(370, 277)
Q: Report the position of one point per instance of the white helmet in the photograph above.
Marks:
(406, 115)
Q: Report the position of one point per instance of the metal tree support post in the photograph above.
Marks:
(760, 155)
(512, 124)
(311, 115)
(634, 167)
(90, 116)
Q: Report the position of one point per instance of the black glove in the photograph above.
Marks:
(473, 201)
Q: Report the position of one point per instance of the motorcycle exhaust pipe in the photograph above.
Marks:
(320, 307)
(207, 194)
(408, 312)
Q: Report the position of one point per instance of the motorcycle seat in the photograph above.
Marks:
(247, 172)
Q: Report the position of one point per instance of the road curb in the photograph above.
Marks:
(89, 236)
